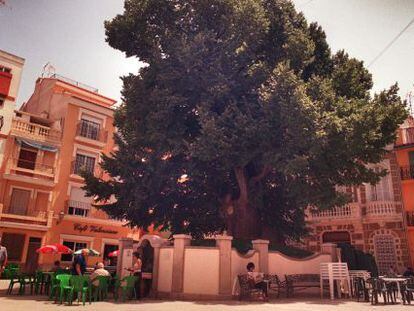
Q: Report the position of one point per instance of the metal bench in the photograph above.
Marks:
(247, 289)
(301, 281)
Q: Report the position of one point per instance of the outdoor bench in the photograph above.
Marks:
(248, 289)
(301, 281)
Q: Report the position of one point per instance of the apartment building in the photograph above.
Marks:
(60, 131)
(404, 150)
(373, 222)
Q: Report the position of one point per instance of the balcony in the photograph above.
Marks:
(37, 132)
(28, 171)
(37, 220)
(78, 167)
(407, 172)
(405, 136)
(342, 212)
(91, 131)
(381, 209)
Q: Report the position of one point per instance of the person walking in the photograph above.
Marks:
(3, 257)
(79, 263)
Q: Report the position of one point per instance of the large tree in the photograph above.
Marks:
(240, 120)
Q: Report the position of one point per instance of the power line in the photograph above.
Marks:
(391, 43)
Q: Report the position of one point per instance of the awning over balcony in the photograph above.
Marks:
(30, 143)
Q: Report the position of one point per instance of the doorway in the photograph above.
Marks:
(336, 237)
(32, 258)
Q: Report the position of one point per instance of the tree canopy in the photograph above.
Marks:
(240, 120)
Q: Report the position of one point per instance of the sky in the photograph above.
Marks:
(70, 35)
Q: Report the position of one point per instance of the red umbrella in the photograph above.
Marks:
(114, 253)
(54, 249)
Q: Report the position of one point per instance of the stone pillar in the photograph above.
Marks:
(330, 248)
(223, 242)
(262, 247)
(155, 269)
(180, 242)
(124, 257)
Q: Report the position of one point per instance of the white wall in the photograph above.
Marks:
(280, 264)
(201, 271)
(165, 269)
(239, 262)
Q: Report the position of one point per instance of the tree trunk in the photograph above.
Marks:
(246, 222)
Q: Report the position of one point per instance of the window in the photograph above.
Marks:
(84, 163)
(79, 204)
(89, 129)
(78, 208)
(14, 244)
(19, 201)
(5, 69)
(382, 190)
(385, 252)
(73, 246)
(2, 101)
(27, 158)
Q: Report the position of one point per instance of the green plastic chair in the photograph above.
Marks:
(79, 286)
(25, 280)
(14, 279)
(38, 282)
(101, 291)
(63, 287)
(116, 282)
(128, 286)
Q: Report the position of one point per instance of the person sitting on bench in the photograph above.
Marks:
(256, 278)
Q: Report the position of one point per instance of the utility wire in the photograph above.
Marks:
(391, 43)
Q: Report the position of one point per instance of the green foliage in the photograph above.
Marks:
(204, 242)
(242, 246)
(240, 120)
(357, 259)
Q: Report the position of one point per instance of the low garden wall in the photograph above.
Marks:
(183, 271)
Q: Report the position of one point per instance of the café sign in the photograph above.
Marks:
(81, 228)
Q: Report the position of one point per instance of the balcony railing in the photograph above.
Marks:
(90, 130)
(405, 136)
(381, 208)
(74, 82)
(78, 167)
(35, 131)
(342, 212)
(33, 166)
(29, 219)
(407, 172)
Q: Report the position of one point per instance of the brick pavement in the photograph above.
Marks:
(39, 303)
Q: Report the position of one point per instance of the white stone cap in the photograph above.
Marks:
(260, 241)
(182, 236)
(223, 237)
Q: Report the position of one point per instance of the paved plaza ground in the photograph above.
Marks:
(39, 303)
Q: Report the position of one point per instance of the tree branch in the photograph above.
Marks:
(266, 169)
(242, 182)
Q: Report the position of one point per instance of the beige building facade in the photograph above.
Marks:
(373, 222)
